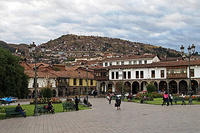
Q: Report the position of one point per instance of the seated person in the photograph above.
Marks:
(50, 107)
(19, 109)
(86, 103)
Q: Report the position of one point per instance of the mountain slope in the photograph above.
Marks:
(95, 44)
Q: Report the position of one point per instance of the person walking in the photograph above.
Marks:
(165, 99)
(183, 99)
(171, 99)
(110, 99)
(76, 103)
(118, 102)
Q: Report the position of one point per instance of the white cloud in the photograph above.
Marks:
(159, 22)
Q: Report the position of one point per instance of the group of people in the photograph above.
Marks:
(167, 98)
(117, 100)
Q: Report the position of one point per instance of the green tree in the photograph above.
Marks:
(13, 81)
(151, 88)
(46, 92)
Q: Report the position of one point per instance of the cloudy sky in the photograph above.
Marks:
(167, 23)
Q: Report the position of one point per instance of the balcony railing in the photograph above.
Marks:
(177, 75)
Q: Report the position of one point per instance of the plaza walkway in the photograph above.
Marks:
(104, 118)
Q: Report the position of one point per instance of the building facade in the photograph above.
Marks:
(171, 75)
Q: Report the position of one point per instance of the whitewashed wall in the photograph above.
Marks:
(42, 82)
(146, 73)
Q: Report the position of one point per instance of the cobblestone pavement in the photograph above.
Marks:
(104, 118)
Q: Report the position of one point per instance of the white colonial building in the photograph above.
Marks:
(168, 75)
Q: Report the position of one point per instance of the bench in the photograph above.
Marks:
(176, 99)
(12, 112)
(43, 109)
(68, 106)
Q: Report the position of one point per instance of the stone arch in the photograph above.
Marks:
(173, 87)
(135, 87)
(54, 93)
(110, 87)
(163, 86)
(183, 87)
(103, 88)
(127, 87)
(119, 86)
(155, 84)
(143, 86)
(194, 86)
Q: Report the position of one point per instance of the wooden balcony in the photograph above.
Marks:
(177, 75)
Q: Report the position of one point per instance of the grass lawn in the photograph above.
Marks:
(29, 108)
(159, 101)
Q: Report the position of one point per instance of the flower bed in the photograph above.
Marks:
(46, 100)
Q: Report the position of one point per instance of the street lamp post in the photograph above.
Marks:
(32, 52)
(87, 83)
(191, 50)
(79, 90)
(122, 91)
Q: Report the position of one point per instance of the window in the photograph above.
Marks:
(141, 74)
(140, 62)
(74, 82)
(122, 63)
(145, 62)
(117, 75)
(117, 63)
(191, 72)
(113, 75)
(162, 72)
(91, 82)
(106, 64)
(134, 62)
(152, 73)
(110, 63)
(129, 74)
(124, 75)
(137, 74)
(130, 62)
(80, 81)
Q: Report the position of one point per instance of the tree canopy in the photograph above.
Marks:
(13, 81)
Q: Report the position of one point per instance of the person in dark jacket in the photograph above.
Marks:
(118, 102)
(19, 109)
(50, 107)
(76, 103)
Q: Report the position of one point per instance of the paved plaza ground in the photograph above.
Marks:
(104, 118)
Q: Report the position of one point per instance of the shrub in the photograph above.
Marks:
(46, 93)
(151, 88)
(157, 95)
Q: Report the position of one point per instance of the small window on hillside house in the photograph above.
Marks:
(152, 73)
(113, 75)
(162, 72)
(191, 72)
(129, 74)
(141, 74)
(137, 74)
(124, 75)
(117, 75)
(80, 81)
(91, 82)
(74, 82)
